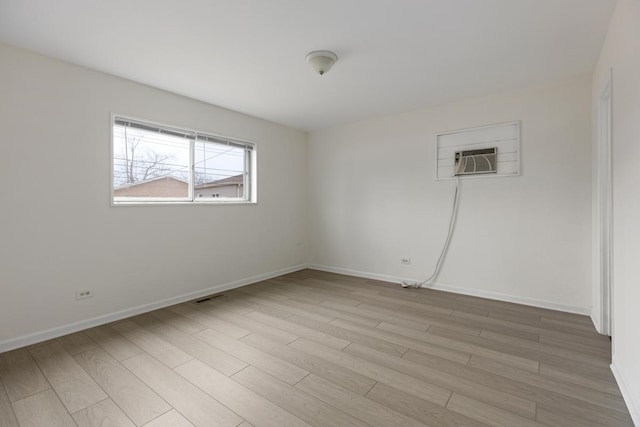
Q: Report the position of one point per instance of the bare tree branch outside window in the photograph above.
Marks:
(141, 159)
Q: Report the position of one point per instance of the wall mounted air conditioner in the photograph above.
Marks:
(456, 151)
(475, 162)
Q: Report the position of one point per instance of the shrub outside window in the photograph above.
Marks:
(159, 164)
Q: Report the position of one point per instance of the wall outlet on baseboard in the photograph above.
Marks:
(84, 293)
(406, 261)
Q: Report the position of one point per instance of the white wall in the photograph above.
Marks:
(375, 200)
(59, 233)
(621, 52)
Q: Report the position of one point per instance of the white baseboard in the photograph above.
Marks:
(356, 273)
(59, 331)
(512, 298)
(595, 318)
(633, 402)
(459, 290)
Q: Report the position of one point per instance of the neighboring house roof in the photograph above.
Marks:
(135, 184)
(232, 180)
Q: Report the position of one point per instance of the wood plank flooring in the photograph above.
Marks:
(319, 349)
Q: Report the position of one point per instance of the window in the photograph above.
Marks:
(159, 164)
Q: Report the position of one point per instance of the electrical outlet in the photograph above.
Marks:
(84, 293)
(405, 261)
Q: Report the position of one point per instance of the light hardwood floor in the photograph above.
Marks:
(320, 349)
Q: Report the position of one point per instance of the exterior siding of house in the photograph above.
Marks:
(161, 187)
(229, 190)
(227, 187)
(172, 187)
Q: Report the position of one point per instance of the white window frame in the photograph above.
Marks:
(249, 181)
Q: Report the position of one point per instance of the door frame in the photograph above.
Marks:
(605, 205)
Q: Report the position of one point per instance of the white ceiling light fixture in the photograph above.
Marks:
(321, 60)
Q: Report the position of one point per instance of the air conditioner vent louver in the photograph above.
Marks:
(208, 298)
(474, 162)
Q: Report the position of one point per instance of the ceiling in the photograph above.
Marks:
(249, 55)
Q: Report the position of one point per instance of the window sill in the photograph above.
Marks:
(182, 203)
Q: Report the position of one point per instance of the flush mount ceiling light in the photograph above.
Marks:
(321, 60)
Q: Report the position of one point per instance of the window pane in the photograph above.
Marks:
(155, 163)
(149, 164)
(219, 171)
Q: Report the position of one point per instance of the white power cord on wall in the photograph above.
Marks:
(452, 222)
